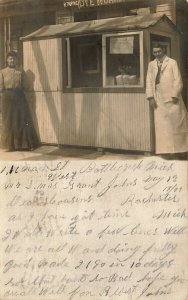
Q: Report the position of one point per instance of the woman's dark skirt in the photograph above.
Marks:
(18, 132)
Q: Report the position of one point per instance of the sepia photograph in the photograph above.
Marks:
(93, 149)
(93, 79)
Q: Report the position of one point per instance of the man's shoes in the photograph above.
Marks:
(174, 156)
(168, 156)
(182, 156)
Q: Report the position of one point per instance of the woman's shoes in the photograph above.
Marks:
(10, 150)
(20, 149)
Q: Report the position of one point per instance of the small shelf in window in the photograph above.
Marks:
(123, 60)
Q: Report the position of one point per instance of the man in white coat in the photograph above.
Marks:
(163, 90)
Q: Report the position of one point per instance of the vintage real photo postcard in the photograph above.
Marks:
(93, 149)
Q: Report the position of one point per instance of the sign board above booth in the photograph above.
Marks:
(90, 3)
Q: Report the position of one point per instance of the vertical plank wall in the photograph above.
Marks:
(169, 9)
(119, 121)
(42, 61)
(111, 120)
(2, 44)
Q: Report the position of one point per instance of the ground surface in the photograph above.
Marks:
(55, 153)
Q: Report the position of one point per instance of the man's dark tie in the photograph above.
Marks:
(157, 80)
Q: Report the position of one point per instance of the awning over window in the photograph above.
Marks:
(98, 26)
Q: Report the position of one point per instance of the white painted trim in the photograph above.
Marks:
(69, 75)
(60, 67)
(103, 60)
(141, 39)
(5, 39)
(162, 33)
(122, 33)
(104, 36)
(9, 33)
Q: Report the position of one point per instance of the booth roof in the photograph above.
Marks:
(98, 26)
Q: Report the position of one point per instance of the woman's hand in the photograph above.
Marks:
(175, 100)
(153, 103)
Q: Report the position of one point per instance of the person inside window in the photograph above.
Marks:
(126, 75)
(18, 132)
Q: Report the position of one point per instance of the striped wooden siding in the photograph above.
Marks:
(2, 45)
(40, 58)
(110, 120)
(48, 113)
(168, 9)
(119, 121)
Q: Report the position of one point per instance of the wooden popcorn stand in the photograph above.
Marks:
(87, 80)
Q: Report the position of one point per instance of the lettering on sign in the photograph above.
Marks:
(90, 3)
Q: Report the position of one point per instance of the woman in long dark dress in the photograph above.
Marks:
(18, 132)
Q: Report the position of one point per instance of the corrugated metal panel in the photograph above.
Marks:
(97, 26)
(168, 9)
(46, 110)
(110, 120)
(119, 121)
(2, 45)
(40, 58)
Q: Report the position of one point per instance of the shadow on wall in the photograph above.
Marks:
(81, 119)
(49, 96)
(28, 84)
(68, 119)
(89, 120)
(73, 118)
(114, 131)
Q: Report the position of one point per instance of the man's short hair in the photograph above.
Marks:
(158, 45)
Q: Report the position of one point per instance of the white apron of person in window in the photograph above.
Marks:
(163, 90)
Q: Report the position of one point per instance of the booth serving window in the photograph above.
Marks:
(111, 60)
(123, 59)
